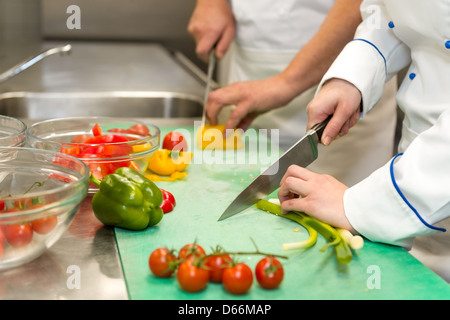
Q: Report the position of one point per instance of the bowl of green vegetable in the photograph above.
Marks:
(12, 132)
(40, 193)
(103, 143)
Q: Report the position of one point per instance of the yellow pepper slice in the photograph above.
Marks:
(173, 177)
(165, 162)
(141, 147)
(212, 137)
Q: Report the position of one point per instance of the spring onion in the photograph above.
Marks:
(314, 226)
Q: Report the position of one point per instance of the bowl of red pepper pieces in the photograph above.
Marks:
(103, 143)
(40, 193)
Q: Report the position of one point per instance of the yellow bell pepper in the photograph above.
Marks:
(165, 162)
(212, 137)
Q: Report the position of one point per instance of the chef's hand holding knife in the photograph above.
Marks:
(320, 195)
(212, 23)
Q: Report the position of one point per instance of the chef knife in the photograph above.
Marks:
(211, 64)
(302, 153)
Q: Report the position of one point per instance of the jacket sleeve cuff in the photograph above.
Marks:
(376, 210)
(363, 65)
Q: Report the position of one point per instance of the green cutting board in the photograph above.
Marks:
(377, 271)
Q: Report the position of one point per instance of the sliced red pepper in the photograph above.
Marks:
(168, 201)
(96, 130)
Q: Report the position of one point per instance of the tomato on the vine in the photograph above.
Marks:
(162, 262)
(192, 277)
(191, 250)
(269, 272)
(237, 279)
(216, 265)
(18, 235)
(175, 141)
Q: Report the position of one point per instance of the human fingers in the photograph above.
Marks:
(224, 41)
(220, 98)
(205, 44)
(293, 187)
(296, 172)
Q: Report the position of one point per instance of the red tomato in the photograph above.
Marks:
(44, 225)
(269, 272)
(162, 262)
(2, 237)
(237, 279)
(175, 141)
(191, 277)
(191, 250)
(216, 265)
(18, 235)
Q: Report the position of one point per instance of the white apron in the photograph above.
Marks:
(269, 35)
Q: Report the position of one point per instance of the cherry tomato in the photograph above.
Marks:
(18, 235)
(2, 237)
(238, 278)
(175, 141)
(216, 265)
(162, 262)
(192, 277)
(191, 250)
(269, 272)
(2, 242)
(44, 225)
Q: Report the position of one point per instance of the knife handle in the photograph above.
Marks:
(319, 127)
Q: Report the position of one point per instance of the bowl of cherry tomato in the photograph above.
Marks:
(103, 143)
(40, 193)
(12, 132)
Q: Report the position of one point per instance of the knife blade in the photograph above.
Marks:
(302, 153)
(211, 65)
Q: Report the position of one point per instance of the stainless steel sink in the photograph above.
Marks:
(132, 104)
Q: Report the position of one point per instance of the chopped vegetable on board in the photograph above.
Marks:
(331, 235)
(165, 162)
(169, 202)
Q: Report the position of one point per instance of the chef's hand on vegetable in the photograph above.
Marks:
(250, 99)
(212, 22)
(340, 99)
(318, 195)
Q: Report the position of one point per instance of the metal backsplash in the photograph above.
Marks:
(162, 21)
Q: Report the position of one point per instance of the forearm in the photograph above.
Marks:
(313, 60)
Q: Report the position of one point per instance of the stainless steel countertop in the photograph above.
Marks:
(84, 263)
(99, 67)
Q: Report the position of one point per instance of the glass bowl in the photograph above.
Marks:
(103, 143)
(12, 132)
(40, 193)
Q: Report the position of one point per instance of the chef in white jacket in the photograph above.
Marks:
(285, 47)
(407, 201)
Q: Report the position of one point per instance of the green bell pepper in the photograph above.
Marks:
(127, 199)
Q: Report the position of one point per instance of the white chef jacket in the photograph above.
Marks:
(409, 195)
(268, 36)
